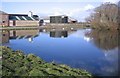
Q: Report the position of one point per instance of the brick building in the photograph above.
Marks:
(23, 20)
(4, 19)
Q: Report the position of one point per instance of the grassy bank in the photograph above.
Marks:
(45, 27)
(16, 63)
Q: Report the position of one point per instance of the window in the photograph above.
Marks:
(3, 21)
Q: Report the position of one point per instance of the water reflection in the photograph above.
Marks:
(4, 36)
(58, 34)
(95, 51)
(31, 34)
(18, 34)
(106, 40)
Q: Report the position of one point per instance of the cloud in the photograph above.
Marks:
(73, 11)
(89, 7)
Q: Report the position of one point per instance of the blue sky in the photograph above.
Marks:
(74, 8)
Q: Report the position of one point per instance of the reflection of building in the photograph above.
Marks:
(23, 20)
(3, 19)
(58, 34)
(59, 19)
(18, 34)
(5, 36)
(24, 34)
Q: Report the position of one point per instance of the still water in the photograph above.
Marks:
(94, 51)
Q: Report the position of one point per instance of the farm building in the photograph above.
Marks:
(72, 20)
(4, 19)
(44, 20)
(59, 19)
(23, 20)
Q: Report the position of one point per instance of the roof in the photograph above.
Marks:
(2, 12)
(72, 19)
(58, 15)
(22, 17)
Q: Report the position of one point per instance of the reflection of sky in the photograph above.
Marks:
(73, 50)
(110, 54)
(112, 57)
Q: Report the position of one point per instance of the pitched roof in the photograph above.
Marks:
(2, 12)
(72, 19)
(22, 17)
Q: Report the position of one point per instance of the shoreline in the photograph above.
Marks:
(60, 27)
(49, 26)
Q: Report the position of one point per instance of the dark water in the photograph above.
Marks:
(92, 50)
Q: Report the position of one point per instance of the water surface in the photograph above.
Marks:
(94, 51)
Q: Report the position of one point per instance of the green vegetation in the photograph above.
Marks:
(15, 63)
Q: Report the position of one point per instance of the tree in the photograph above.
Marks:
(106, 15)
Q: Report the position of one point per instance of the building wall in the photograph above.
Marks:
(58, 19)
(24, 23)
(4, 20)
(10, 23)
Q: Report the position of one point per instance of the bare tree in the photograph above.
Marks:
(106, 15)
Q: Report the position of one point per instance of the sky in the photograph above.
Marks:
(77, 9)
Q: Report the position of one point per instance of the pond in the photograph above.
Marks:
(92, 50)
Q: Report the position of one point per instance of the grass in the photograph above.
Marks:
(67, 26)
(16, 63)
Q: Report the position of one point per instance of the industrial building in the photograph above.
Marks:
(59, 19)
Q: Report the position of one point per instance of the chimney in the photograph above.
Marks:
(30, 14)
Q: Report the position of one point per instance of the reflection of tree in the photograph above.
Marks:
(105, 40)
